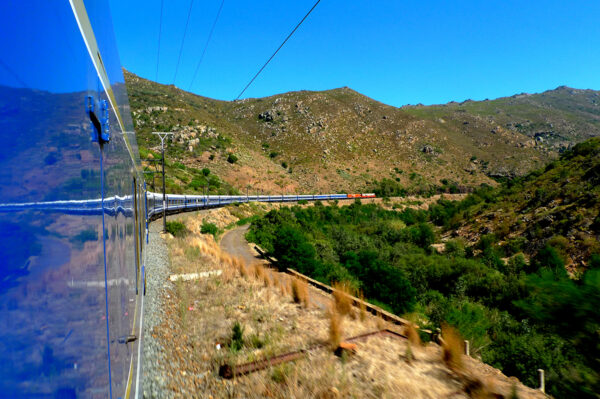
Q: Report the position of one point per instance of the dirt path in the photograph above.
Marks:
(234, 243)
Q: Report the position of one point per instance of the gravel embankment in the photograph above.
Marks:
(157, 287)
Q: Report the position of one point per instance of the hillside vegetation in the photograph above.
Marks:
(339, 140)
(520, 310)
(559, 205)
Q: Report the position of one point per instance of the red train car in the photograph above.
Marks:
(369, 195)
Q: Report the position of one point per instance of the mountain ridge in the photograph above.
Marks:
(342, 140)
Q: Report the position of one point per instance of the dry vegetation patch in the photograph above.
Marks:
(252, 312)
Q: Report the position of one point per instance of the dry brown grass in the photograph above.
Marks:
(299, 290)
(258, 271)
(452, 348)
(335, 327)
(362, 306)
(276, 282)
(381, 324)
(342, 292)
(410, 330)
(268, 279)
(240, 265)
(284, 285)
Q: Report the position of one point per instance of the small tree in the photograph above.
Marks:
(231, 158)
(206, 171)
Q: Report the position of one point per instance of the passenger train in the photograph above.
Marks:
(74, 209)
(178, 202)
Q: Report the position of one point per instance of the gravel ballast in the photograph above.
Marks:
(157, 287)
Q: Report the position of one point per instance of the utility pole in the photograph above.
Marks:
(163, 136)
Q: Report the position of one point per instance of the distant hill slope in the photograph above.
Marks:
(559, 205)
(339, 140)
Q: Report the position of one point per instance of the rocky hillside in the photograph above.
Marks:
(558, 205)
(339, 140)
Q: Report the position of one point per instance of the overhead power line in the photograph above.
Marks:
(279, 48)
(183, 40)
(159, 33)
(206, 45)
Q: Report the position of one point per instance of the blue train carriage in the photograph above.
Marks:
(72, 206)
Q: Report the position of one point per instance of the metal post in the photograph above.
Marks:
(163, 136)
(542, 380)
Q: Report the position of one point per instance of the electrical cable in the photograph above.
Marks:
(183, 40)
(206, 45)
(14, 74)
(159, 33)
(279, 48)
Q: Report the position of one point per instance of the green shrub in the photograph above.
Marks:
(237, 337)
(176, 228)
(292, 249)
(209, 228)
(594, 262)
(548, 258)
(231, 158)
(206, 171)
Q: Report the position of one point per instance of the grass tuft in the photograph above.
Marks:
(240, 265)
(362, 306)
(237, 337)
(342, 292)
(410, 330)
(268, 279)
(259, 271)
(300, 291)
(452, 348)
(335, 327)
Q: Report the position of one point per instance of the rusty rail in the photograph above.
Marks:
(228, 371)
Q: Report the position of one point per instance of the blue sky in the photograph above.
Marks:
(397, 52)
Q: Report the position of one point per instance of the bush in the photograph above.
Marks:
(594, 262)
(231, 158)
(209, 228)
(292, 249)
(549, 258)
(176, 228)
(388, 188)
(284, 165)
(206, 171)
(421, 235)
(381, 281)
(237, 337)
